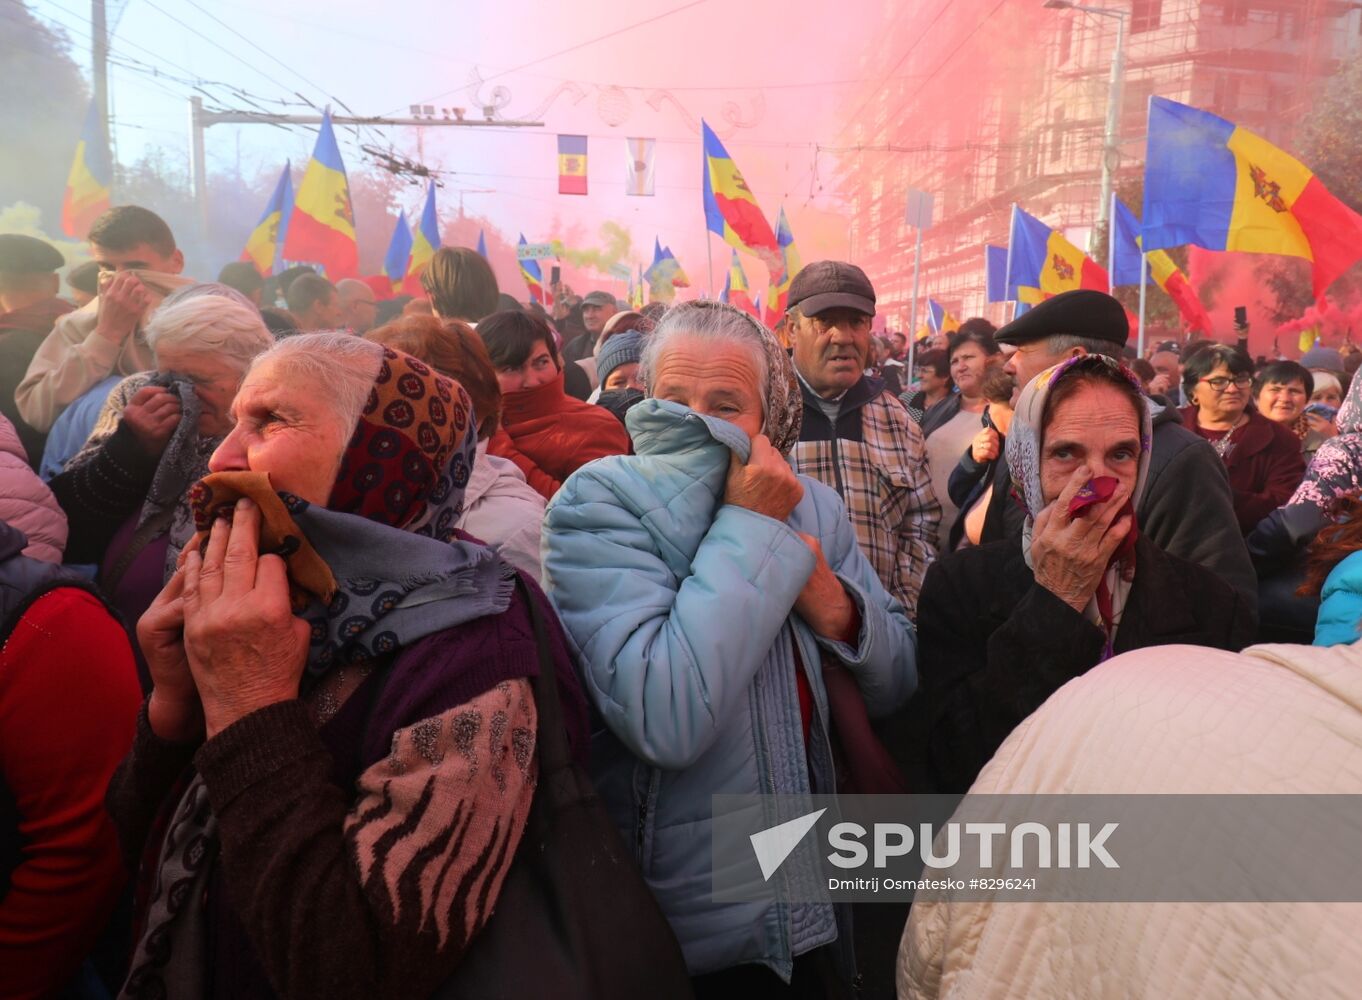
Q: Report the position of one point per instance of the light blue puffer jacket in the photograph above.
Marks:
(1340, 604)
(680, 608)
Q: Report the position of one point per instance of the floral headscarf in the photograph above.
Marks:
(783, 404)
(403, 474)
(1024, 441)
(1336, 469)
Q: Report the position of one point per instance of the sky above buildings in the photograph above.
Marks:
(606, 68)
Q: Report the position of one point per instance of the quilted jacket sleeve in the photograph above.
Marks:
(884, 660)
(666, 659)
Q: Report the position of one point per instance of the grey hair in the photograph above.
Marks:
(341, 364)
(1063, 343)
(209, 324)
(705, 320)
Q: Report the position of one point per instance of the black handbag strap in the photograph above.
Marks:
(551, 739)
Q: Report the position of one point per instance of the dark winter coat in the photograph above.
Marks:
(1264, 463)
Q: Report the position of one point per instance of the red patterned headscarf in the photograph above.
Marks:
(409, 459)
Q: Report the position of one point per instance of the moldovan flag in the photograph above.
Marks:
(482, 244)
(1213, 185)
(778, 294)
(736, 293)
(1043, 263)
(572, 164)
(262, 246)
(640, 158)
(398, 257)
(534, 278)
(322, 228)
(939, 318)
(664, 276)
(1309, 338)
(425, 241)
(88, 183)
(1125, 266)
(730, 208)
(636, 290)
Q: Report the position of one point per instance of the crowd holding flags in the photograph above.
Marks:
(322, 227)
(266, 240)
(90, 181)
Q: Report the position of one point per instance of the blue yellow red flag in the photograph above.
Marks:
(1042, 263)
(731, 210)
(1211, 184)
(534, 279)
(664, 275)
(736, 292)
(482, 244)
(1126, 248)
(396, 261)
(90, 181)
(425, 240)
(572, 164)
(778, 292)
(322, 228)
(939, 318)
(262, 246)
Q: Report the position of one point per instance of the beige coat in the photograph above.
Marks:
(1178, 720)
(74, 358)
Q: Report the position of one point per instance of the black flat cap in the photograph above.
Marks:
(28, 255)
(1080, 313)
(831, 284)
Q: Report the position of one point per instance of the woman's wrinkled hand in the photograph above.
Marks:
(984, 448)
(152, 415)
(766, 484)
(173, 710)
(1069, 555)
(824, 604)
(246, 648)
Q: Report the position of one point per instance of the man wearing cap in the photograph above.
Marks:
(28, 309)
(139, 265)
(855, 436)
(1187, 509)
(597, 308)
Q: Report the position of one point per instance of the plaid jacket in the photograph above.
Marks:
(875, 460)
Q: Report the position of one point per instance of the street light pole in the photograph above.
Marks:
(1111, 148)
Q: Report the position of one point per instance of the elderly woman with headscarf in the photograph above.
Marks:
(349, 680)
(125, 492)
(1004, 625)
(714, 598)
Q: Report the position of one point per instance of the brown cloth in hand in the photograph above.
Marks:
(216, 495)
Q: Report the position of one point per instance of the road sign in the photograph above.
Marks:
(919, 211)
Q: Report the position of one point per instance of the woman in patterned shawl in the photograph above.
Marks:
(334, 767)
(1003, 625)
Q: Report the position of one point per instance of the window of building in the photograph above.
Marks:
(1236, 12)
(1144, 15)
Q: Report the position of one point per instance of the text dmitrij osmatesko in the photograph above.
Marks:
(1028, 845)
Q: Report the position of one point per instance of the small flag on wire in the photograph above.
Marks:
(572, 164)
(640, 157)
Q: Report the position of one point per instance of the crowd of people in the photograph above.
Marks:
(311, 597)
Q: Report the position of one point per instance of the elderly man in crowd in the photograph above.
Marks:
(139, 266)
(597, 308)
(315, 303)
(359, 307)
(1187, 509)
(855, 437)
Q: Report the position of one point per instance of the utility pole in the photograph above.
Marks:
(201, 119)
(99, 31)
